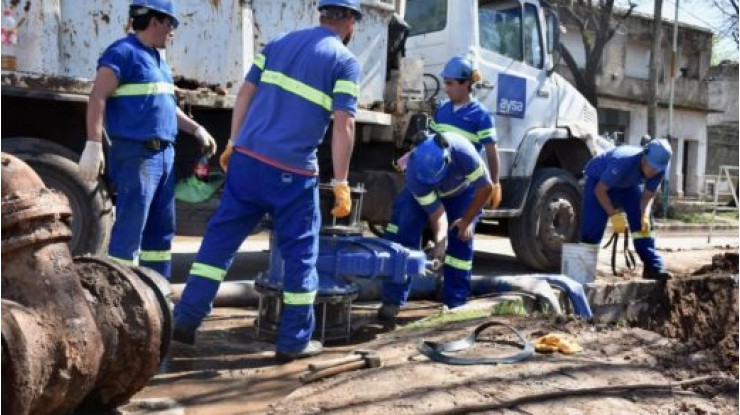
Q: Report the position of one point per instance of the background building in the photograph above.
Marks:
(622, 85)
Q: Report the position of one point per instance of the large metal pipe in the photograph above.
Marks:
(74, 332)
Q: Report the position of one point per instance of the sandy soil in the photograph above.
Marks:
(692, 333)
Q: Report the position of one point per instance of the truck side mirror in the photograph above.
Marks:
(553, 31)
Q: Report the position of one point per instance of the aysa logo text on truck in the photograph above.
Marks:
(506, 106)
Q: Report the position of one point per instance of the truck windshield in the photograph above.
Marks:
(426, 16)
(500, 26)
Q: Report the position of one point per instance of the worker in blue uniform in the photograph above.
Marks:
(446, 183)
(626, 178)
(465, 115)
(281, 115)
(134, 95)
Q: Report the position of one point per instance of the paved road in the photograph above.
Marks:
(493, 255)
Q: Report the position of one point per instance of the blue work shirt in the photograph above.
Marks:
(466, 169)
(620, 168)
(143, 106)
(301, 78)
(473, 121)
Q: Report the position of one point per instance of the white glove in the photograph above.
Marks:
(91, 161)
(205, 140)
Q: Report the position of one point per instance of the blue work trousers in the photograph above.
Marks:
(252, 189)
(144, 181)
(594, 220)
(406, 227)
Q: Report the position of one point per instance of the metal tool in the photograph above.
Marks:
(356, 356)
(368, 361)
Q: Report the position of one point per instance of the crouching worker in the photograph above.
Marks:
(626, 177)
(446, 182)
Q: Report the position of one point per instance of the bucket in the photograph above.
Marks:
(579, 262)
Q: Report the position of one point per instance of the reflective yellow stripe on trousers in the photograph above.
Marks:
(155, 256)
(207, 271)
(458, 263)
(149, 88)
(299, 298)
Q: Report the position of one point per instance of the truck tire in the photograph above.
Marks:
(551, 216)
(92, 208)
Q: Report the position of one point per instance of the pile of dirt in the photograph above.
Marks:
(702, 313)
(722, 263)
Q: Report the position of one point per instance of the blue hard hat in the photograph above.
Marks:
(658, 153)
(353, 5)
(430, 159)
(458, 68)
(163, 6)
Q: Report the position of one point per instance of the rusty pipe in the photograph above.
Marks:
(74, 331)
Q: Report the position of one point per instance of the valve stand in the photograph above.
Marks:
(343, 254)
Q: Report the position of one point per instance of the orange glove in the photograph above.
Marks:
(342, 200)
(225, 156)
(496, 196)
(619, 225)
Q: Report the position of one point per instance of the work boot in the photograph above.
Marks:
(388, 312)
(656, 275)
(313, 348)
(184, 334)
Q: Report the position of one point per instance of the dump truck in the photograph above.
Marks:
(546, 130)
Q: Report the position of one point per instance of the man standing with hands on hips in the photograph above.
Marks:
(280, 117)
(134, 95)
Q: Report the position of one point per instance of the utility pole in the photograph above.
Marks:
(655, 58)
(674, 59)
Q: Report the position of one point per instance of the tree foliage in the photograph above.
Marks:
(729, 11)
(597, 22)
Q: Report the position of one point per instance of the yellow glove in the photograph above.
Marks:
(645, 223)
(619, 225)
(225, 156)
(556, 342)
(342, 200)
(496, 196)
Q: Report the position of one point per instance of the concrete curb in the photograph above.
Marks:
(702, 228)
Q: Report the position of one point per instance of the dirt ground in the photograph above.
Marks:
(693, 333)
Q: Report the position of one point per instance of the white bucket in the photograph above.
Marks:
(579, 262)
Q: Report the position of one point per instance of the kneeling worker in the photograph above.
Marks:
(445, 182)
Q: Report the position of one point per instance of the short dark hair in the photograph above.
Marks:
(140, 17)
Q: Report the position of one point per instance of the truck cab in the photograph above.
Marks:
(546, 130)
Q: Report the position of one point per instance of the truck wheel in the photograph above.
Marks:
(92, 209)
(551, 217)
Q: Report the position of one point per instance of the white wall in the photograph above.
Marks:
(687, 126)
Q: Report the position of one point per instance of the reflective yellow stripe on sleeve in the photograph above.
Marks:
(297, 87)
(299, 298)
(447, 128)
(259, 61)
(426, 200)
(458, 263)
(155, 256)
(150, 88)
(207, 271)
(346, 87)
(486, 133)
(392, 228)
(475, 175)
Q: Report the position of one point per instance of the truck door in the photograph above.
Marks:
(512, 59)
